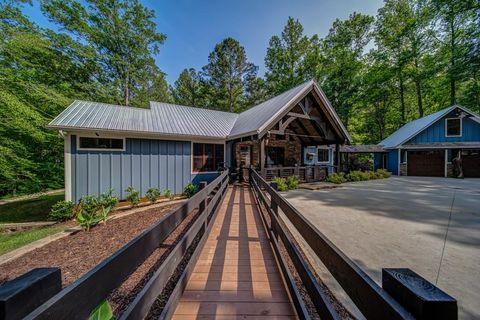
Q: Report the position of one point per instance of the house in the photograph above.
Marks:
(167, 146)
(427, 146)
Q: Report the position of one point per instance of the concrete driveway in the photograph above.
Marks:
(430, 225)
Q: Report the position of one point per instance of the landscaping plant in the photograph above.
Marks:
(153, 194)
(88, 214)
(168, 194)
(190, 190)
(133, 196)
(62, 211)
(106, 202)
(337, 178)
(292, 182)
(281, 184)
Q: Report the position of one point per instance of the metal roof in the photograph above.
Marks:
(160, 118)
(412, 128)
(362, 148)
(175, 120)
(251, 120)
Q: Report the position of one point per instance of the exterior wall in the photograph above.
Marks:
(314, 161)
(377, 161)
(392, 161)
(436, 133)
(145, 163)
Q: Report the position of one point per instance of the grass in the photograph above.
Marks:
(14, 240)
(35, 209)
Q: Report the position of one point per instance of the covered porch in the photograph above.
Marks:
(282, 148)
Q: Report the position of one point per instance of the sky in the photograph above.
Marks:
(193, 27)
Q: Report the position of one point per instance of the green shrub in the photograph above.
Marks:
(108, 199)
(168, 193)
(62, 211)
(281, 184)
(382, 173)
(190, 190)
(133, 196)
(88, 214)
(337, 178)
(153, 194)
(357, 176)
(292, 182)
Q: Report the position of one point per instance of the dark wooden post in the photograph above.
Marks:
(203, 204)
(420, 297)
(24, 294)
(337, 157)
(274, 206)
(261, 156)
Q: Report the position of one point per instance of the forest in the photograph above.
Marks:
(379, 72)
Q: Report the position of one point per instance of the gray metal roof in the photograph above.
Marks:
(413, 128)
(175, 120)
(251, 120)
(160, 118)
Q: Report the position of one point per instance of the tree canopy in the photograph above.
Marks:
(413, 58)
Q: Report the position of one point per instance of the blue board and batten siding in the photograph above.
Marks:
(145, 163)
(436, 133)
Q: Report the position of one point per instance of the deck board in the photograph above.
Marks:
(236, 275)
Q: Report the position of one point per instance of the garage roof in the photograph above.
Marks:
(413, 128)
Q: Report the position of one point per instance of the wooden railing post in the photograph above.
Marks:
(203, 204)
(22, 295)
(420, 297)
(274, 207)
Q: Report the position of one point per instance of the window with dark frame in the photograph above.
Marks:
(100, 143)
(207, 157)
(453, 127)
(275, 156)
(323, 155)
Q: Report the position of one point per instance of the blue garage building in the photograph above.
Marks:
(427, 146)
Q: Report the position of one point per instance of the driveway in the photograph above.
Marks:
(430, 225)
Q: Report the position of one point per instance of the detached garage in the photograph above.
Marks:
(442, 144)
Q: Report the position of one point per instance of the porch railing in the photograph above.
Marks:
(304, 174)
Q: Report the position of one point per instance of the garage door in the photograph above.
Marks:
(426, 163)
(471, 163)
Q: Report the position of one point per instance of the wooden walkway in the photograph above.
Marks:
(236, 276)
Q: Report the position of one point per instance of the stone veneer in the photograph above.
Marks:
(403, 169)
(293, 150)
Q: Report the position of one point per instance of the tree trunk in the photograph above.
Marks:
(453, 98)
(127, 93)
(402, 98)
(418, 87)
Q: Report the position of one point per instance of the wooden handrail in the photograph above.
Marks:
(77, 300)
(368, 296)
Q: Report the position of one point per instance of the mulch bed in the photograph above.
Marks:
(81, 251)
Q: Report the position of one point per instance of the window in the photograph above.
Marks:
(453, 127)
(207, 157)
(275, 156)
(323, 155)
(101, 143)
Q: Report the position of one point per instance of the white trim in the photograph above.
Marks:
(446, 127)
(135, 134)
(399, 160)
(191, 156)
(67, 155)
(446, 162)
(103, 137)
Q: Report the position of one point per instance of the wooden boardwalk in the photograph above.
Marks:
(236, 276)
